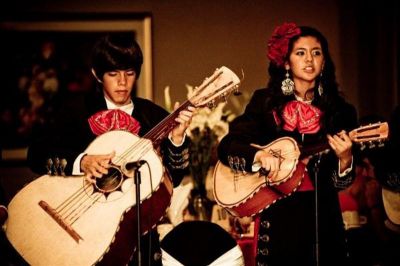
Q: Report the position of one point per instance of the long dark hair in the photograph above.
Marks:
(330, 96)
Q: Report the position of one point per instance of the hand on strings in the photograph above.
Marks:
(341, 144)
(184, 118)
(268, 162)
(95, 166)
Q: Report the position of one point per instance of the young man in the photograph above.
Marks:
(116, 65)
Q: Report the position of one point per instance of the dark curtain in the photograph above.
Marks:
(370, 34)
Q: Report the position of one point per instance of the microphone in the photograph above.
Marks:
(134, 165)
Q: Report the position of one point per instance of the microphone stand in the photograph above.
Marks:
(316, 171)
(137, 179)
(137, 184)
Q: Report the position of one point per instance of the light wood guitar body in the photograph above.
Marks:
(69, 221)
(93, 226)
(246, 194)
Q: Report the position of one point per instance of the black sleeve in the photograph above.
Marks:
(254, 126)
(175, 159)
(347, 121)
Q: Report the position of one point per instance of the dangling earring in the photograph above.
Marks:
(287, 85)
(320, 88)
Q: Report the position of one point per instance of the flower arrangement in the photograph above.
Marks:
(40, 88)
(38, 80)
(216, 119)
(207, 128)
(30, 94)
(279, 42)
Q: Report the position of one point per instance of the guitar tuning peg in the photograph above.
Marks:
(230, 161)
(211, 104)
(243, 165)
(236, 161)
(62, 166)
(49, 166)
(233, 164)
(371, 144)
(381, 144)
(362, 146)
(56, 166)
(236, 92)
(224, 97)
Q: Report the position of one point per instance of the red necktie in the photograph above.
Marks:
(114, 119)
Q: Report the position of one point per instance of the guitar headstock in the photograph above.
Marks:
(371, 134)
(215, 88)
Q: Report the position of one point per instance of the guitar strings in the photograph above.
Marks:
(164, 127)
(141, 147)
(76, 204)
(73, 207)
(77, 208)
(74, 199)
(84, 210)
(71, 198)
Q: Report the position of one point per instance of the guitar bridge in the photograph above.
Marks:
(53, 214)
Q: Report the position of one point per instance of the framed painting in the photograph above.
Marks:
(45, 56)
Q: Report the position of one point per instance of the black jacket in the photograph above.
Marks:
(68, 134)
(288, 223)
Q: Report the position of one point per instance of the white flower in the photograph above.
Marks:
(167, 99)
(216, 119)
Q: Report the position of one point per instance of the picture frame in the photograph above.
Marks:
(72, 36)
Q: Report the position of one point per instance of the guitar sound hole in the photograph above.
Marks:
(110, 182)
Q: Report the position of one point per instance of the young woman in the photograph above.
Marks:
(302, 101)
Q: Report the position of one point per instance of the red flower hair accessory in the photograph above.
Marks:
(278, 44)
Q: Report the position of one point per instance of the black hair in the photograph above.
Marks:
(327, 79)
(117, 51)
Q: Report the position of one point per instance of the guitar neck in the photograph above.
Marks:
(211, 91)
(162, 129)
(366, 134)
(314, 149)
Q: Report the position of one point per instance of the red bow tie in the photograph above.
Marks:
(108, 120)
(301, 116)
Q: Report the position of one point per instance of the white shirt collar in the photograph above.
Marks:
(127, 108)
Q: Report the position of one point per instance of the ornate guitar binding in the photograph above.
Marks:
(74, 222)
(246, 194)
